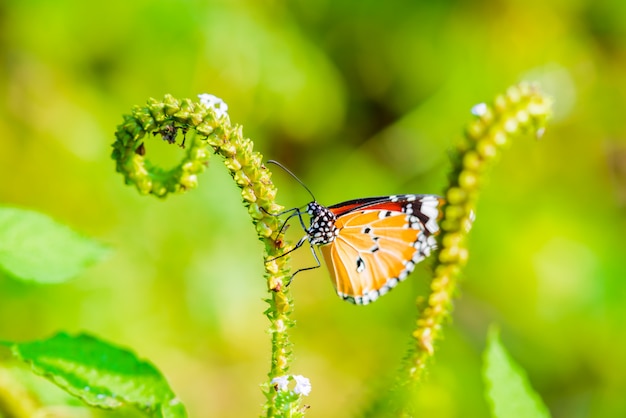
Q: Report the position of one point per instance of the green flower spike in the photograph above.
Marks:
(522, 110)
(166, 118)
(206, 128)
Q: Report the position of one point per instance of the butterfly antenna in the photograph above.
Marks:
(292, 175)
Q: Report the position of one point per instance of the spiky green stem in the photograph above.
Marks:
(208, 132)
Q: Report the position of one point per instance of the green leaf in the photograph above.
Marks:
(100, 374)
(35, 247)
(508, 390)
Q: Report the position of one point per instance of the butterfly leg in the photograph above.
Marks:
(296, 212)
(317, 260)
(285, 224)
(298, 245)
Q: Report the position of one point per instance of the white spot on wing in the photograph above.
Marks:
(430, 210)
(371, 296)
(432, 225)
(419, 256)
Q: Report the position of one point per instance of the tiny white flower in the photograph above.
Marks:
(479, 109)
(540, 132)
(280, 382)
(303, 385)
(213, 102)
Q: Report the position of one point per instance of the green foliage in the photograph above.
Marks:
(100, 374)
(35, 247)
(509, 392)
(109, 377)
(359, 99)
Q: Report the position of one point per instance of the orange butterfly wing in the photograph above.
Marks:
(379, 242)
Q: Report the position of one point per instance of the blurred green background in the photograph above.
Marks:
(358, 99)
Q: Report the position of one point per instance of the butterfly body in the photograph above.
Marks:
(323, 229)
(372, 244)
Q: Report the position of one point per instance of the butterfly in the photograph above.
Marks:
(371, 244)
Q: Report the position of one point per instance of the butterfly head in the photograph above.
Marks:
(322, 229)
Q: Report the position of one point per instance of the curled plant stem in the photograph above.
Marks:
(206, 129)
(521, 110)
